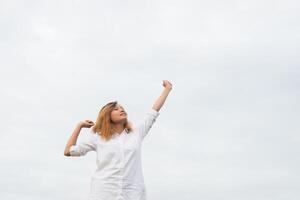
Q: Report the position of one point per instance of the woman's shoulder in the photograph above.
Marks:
(94, 134)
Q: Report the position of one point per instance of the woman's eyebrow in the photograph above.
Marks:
(120, 107)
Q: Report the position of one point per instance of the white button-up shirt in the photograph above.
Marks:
(119, 174)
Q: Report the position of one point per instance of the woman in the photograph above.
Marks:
(119, 174)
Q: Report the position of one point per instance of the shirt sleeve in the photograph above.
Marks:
(85, 146)
(145, 126)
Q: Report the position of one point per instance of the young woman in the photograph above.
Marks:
(117, 142)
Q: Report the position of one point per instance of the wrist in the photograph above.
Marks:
(168, 89)
(79, 125)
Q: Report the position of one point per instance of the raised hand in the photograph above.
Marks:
(167, 84)
(162, 98)
(87, 123)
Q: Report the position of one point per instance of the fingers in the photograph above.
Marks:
(89, 121)
(166, 82)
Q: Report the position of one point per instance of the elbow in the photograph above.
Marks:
(67, 153)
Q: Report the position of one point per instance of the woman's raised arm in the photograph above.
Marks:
(162, 98)
(151, 115)
(73, 139)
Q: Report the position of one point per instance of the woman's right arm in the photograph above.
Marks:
(81, 149)
(73, 139)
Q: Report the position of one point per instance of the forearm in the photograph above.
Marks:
(161, 99)
(73, 139)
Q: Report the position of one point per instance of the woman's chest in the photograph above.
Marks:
(124, 143)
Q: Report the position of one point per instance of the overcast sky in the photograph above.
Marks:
(229, 129)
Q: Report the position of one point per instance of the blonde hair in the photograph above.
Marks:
(104, 125)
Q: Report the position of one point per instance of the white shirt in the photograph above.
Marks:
(119, 174)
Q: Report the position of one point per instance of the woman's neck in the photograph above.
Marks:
(119, 128)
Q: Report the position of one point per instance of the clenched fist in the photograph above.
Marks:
(86, 123)
(167, 84)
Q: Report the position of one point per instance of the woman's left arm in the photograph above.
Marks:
(153, 113)
(162, 98)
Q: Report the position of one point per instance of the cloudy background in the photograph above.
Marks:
(229, 129)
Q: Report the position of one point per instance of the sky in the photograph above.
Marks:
(229, 129)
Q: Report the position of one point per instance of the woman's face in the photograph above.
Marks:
(118, 114)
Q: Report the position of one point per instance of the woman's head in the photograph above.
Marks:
(118, 113)
(111, 115)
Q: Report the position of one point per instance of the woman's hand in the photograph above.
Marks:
(167, 84)
(162, 98)
(86, 123)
